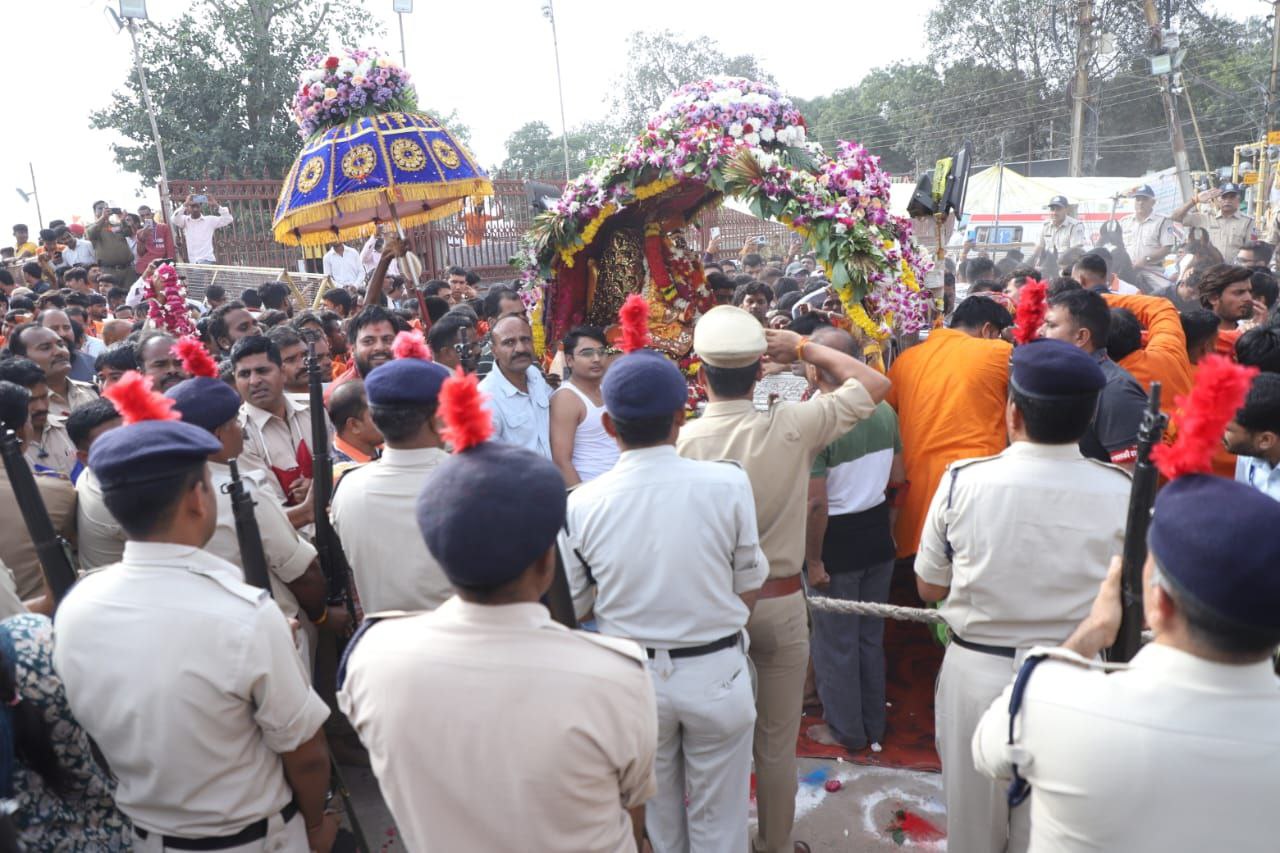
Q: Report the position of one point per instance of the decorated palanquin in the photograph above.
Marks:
(621, 229)
(369, 157)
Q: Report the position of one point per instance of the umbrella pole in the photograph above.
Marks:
(423, 318)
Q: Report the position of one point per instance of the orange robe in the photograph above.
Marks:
(1163, 358)
(1227, 343)
(1224, 463)
(950, 394)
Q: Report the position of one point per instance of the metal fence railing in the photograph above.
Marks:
(307, 287)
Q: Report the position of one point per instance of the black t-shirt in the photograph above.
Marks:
(1113, 435)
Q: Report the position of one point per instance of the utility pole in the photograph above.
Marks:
(36, 196)
(1179, 145)
(1080, 86)
(1275, 65)
(165, 208)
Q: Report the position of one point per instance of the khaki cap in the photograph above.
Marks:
(727, 336)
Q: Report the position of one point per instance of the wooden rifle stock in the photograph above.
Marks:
(333, 560)
(253, 557)
(53, 552)
(1134, 557)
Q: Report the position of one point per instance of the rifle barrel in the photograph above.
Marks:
(53, 552)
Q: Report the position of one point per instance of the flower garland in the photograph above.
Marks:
(746, 139)
(334, 89)
(170, 311)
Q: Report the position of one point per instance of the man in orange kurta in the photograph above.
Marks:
(1163, 358)
(950, 394)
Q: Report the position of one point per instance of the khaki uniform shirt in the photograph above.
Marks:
(78, 393)
(101, 539)
(1058, 239)
(1144, 238)
(1227, 234)
(680, 588)
(570, 715)
(54, 450)
(188, 680)
(17, 551)
(270, 441)
(10, 605)
(777, 449)
(289, 554)
(373, 514)
(1146, 760)
(1032, 533)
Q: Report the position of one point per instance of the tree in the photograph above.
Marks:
(659, 63)
(221, 79)
(533, 151)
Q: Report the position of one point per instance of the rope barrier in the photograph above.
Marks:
(890, 611)
(875, 608)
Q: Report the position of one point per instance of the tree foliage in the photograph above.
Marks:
(534, 150)
(221, 77)
(658, 63)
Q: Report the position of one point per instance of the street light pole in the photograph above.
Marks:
(550, 13)
(165, 207)
(400, 7)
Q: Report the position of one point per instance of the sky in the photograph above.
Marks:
(496, 67)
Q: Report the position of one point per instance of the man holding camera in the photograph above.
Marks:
(155, 240)
(198, 229)
(109, 235)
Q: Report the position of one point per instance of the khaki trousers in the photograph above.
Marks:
(978, 815)
(779, 650)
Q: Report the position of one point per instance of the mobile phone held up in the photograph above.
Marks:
(200, 199)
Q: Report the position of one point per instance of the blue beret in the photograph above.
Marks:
(1220, 562)
(149, 450)
(487, 513)
(204, 401)
(644, 384)
(405, 381)
(1049, 370)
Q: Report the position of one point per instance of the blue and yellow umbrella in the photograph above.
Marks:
(396, 167)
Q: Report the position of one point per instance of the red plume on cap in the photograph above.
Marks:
(135, 401)
(467, 421)
(633, 317)
(1202, 416)
(410, 345)
(1032, 308)
(195, 358)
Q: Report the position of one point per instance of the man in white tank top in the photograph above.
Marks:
(580, 447)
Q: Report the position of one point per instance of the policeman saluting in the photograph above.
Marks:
(187, 678)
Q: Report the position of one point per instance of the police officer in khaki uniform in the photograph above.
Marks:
(446, 701)
(1228, 228)
(1059, 233)
(1179, 750)
(99, 535)
(1016, 544)
(777, 449)
(392, 568)
(1148, 238)
(16, 548)
(13, 530)
(187, 678)
(663, 550)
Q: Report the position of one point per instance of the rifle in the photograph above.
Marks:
(333, 560)
(252, 555)
(1134, 557)
(53, 552)
(254, 559)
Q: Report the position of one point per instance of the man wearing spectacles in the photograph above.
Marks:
(580, 447)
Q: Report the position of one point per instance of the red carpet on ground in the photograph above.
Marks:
(913, 658)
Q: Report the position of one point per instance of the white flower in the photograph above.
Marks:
(574, 207)
(752, 138)
(841, 228)
(767, 134)
(735, 130)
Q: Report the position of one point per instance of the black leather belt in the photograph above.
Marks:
(697, 651)
(999, 651)
(253, 832)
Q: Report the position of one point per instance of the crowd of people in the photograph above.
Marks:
(178, 707)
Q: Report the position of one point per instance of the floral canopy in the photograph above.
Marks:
(717, 137)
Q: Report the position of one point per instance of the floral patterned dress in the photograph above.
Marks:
(84, 817)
